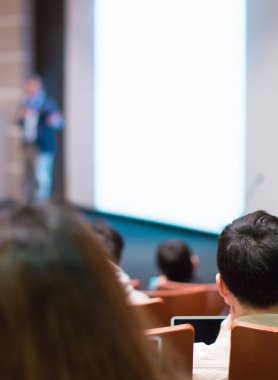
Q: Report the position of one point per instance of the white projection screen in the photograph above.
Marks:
(169, 110)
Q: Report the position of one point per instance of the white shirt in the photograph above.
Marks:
(132, 294)
(30, 126)
(211, 362)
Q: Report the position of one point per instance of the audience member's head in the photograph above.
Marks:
(175, 261)
(62, 312)
(111, 239)
(247, 259)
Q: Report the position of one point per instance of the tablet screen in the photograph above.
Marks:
(206, 328)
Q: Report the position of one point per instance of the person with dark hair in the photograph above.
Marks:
(63, 314)
(40, 118)
(176, 263)
(113, 244)
(111, 238)
(247, 259)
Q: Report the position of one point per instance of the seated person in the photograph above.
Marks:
(175, 261)
(247, 259)
(114, 243)
(112, 240)
(63, 313)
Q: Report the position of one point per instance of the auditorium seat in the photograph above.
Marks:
(151, 312)
(174, 285)
(176, 343)
(191, 301)
(253, 352)
(194, 300)
(215, 303)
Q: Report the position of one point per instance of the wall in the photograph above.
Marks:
(262, 109)
(15, 64)
(79, 102)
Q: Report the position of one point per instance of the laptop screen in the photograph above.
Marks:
(206, 327)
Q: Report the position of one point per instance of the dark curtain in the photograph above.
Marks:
(49, 30)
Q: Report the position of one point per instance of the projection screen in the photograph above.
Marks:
(169, 110)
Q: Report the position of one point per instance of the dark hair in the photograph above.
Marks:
(247, 258)
(111, 239)
(62, 311)
(174, 260)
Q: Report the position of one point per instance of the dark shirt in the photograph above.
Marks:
(46, 140)
(46, 137)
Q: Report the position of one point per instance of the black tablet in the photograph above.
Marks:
(206, 328)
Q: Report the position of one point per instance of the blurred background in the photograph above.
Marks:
(230, 173)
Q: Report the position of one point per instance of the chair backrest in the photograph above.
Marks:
(151, 312)
(215, 304)
(176, 346)
(174, 285)
(253, 352)
(191, 301)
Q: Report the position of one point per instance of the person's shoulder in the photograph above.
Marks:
(132, 294)
(264, 319)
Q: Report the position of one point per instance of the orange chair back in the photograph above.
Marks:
(215, 304)
(174, 285)
(253, 352)
(176, 346)
(191, 301)
(151, 312)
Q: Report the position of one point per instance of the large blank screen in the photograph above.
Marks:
(169, 110)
